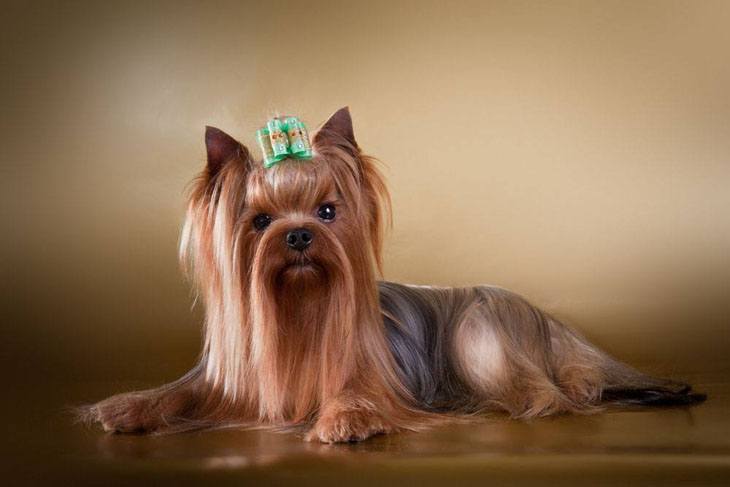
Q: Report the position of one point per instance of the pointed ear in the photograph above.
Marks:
(221, 148)
(337, 131)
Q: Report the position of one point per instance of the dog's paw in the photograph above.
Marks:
(127, 413)
(339, 424)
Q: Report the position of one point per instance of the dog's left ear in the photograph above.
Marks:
(337, 131)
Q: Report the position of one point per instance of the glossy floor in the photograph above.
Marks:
(660, 446)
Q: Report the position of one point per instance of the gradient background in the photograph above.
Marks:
(575, 152)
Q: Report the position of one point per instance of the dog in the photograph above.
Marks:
(300, 334)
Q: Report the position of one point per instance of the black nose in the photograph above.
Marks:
(299, 239)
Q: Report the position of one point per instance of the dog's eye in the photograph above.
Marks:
(261, 221)
(326, 212)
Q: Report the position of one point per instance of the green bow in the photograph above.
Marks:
(282, 138)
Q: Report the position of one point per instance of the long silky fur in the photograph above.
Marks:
(543, 366)
(285, 346)
(275, 352)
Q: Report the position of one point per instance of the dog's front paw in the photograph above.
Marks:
(347, 422)
(127, 413)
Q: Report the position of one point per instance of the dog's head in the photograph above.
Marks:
(297, 222)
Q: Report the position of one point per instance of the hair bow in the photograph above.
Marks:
(282, 138)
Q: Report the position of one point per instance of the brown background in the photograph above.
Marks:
(575, 152)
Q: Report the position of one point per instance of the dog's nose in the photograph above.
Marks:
(299, 239)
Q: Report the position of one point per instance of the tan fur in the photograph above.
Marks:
(297, 339)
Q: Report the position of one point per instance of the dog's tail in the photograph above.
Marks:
(626, 386)
(653, 397)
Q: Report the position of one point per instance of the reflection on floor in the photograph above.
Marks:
(659, 447)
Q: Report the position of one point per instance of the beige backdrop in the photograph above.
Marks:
(576, 152)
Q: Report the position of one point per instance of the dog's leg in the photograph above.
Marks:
(145, 411)
(172, 407)
(579, 368)
(501, 373)
(348, 417)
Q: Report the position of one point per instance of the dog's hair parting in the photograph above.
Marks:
(310, 339)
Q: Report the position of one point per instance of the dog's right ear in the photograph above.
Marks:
(222, 148)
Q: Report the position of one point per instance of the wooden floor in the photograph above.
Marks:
(649, 447)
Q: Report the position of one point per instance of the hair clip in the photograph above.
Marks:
(282, 138)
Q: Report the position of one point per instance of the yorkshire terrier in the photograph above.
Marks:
(299, 333)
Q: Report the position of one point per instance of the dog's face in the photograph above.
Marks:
(297, 226)
(300, 226)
